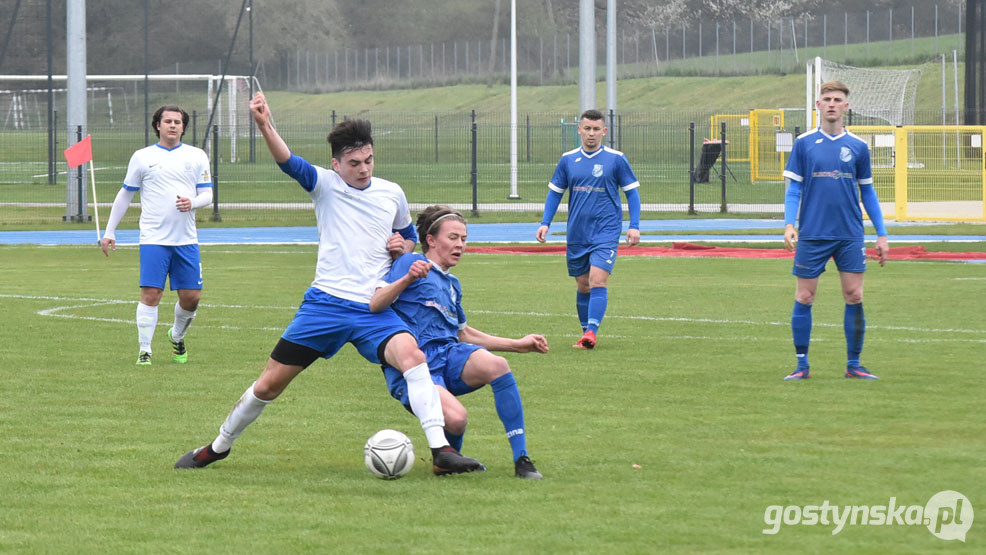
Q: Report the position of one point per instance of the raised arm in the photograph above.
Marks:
(385, 296)
(261, 115)
(527, 344)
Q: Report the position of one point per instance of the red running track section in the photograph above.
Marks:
(691, 249)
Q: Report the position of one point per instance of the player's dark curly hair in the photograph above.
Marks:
(348, 135)
(156, 119)
(430, 221)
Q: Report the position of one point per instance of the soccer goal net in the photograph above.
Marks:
(117, 102)
(876, 96)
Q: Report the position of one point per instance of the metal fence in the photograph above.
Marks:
(461, 159)
(698, 48)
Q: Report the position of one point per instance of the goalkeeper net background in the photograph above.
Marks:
(882, 95)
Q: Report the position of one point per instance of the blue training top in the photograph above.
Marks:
(830, 171)
(431, 306)
(594, 181)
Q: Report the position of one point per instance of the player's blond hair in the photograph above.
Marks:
(829, 86)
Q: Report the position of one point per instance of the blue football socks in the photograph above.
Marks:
(582, 305)
(597, 308)
(801, 330)
(506, 397)
(854, 324)
(455, 440)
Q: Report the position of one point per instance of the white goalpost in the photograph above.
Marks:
(232, 114)
(888, 95)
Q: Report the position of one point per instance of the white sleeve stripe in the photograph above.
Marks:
(633, 185)
(462, 326)
(867, 181)
(793, 176)
(555, 188)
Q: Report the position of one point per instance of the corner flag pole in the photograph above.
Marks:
(95, 204)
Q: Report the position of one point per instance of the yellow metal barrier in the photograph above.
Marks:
(921, 172)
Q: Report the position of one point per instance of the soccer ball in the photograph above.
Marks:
(389, 454)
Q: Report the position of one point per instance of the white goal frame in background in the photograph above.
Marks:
(886, 94)
(233, 119)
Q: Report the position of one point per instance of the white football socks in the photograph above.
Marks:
(426, 404)
(146, 322)
(244, 412)
(183, 319)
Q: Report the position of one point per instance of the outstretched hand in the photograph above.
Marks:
(533, 343)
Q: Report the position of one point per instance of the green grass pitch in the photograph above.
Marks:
(674, 435)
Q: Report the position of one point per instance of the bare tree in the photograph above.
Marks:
(495, 34)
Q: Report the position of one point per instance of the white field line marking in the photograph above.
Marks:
(93, 302)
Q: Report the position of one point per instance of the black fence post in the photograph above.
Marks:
(436, 139)
(474, 175)
(53, 162)
(691, 168)
(619, 132)
(612, 128)
(528, 137)
(195, 133)
(333, 118)
(215, 175)
(722, 141)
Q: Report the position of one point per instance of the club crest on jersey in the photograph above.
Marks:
(597, 170)
(845, 154)
(451, 292)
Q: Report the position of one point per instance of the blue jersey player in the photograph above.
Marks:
(827, 175)
(362, 222)
(429, 299)
(594, 175)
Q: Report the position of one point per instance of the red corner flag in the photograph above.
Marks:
(79, 153)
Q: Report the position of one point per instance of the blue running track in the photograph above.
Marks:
(478, 233)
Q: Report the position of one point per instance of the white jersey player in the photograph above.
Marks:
(174, 180)
(362, 222)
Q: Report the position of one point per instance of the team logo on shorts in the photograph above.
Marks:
(845, 154)
(597, 170)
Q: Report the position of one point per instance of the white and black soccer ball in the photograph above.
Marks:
(389, 454)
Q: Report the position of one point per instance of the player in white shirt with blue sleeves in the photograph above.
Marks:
(174, 180)
(363, 221)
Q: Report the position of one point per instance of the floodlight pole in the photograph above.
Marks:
(587, 55)
(51, 98)
(611, 68)
(513, 101)
(147, 100)
(75, 121)
(253, 72)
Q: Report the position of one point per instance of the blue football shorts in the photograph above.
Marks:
(325, 323)
(581, 257)
(445, 362)
(182, 263)
(812, 255)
